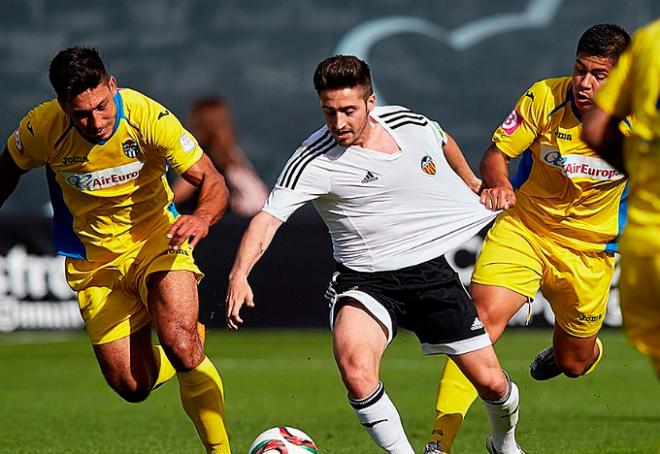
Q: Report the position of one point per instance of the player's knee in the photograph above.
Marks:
(571, 366)
(493, 386)
(358, 376)
(131, 390)
(183, 352)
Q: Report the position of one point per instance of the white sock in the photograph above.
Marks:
(379, 416)
(503, 415)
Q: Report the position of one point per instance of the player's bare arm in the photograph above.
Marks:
(10, 173)
(457, 162)
(601, 132)
(499, 193)
(254, 243)
(182, 190)
(213, 198)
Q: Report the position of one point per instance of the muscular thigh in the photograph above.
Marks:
(577, 285)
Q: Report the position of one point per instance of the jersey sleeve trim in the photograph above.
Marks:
(400, 118)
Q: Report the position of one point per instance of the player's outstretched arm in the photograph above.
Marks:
(499, 193)
(10, 173)
(254, 243)
(601, 132)
(457, 162)
(213, 198)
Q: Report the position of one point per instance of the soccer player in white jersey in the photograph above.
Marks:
(396, 194)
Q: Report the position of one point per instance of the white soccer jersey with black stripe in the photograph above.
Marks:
(384, 211)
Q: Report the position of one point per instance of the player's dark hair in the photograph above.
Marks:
(603, 40)
(343, 71)
(76, 70)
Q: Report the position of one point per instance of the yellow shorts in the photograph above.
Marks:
(113, 296)
(639, 289)
(576, 283)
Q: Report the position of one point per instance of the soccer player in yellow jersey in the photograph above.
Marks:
(634, 88)
(129, 254)
(557, 233)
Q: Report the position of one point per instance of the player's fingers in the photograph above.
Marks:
(193, 240)
(490, 201)
(502, 200)
(182, 234)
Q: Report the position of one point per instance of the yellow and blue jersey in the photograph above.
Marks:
(110, 195)
(565, 191)
(634, 87)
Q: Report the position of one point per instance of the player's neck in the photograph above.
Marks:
(376, 138)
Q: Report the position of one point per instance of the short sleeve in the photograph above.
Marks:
(524, 124)
(440, 134)
(24, 147)
(164, 132)
(302, 180)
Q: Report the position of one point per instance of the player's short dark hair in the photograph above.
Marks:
(603, 40)
(343, 71)
(76, 70)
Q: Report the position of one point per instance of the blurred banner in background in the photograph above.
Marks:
(462, 64)
(288, 282)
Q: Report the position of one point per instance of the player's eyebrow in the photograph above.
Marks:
(103, 103)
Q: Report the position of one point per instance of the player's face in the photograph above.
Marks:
(589, 73)
(346, 113)
(93, 112)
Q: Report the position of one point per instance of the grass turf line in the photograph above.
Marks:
(53, 398)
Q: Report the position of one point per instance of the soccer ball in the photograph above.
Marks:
(283, 440)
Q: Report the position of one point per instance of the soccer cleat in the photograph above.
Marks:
(544, 366)
(433, 447)
(490, 446)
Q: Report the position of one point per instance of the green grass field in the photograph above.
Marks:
(54, 400)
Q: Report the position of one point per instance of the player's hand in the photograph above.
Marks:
(239, 293)
(498, 198)
(188, 227)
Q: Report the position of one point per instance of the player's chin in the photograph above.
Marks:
(584, 104)
(344, 139)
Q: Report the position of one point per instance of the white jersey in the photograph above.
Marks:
(384, 211)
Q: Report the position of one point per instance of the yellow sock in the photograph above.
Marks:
(165, 368)
(600, 356)
(455, 396)
(202, 396)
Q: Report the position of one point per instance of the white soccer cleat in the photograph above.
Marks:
(490, 446)
(433, 447)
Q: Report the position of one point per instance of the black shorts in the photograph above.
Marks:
(427, 299)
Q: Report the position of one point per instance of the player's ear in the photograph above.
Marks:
(371, 102)
(112, 84)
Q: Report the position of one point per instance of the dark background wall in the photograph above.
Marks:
(461, 63)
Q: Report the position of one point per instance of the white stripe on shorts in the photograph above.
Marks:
(372, 306)
(457, 347)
